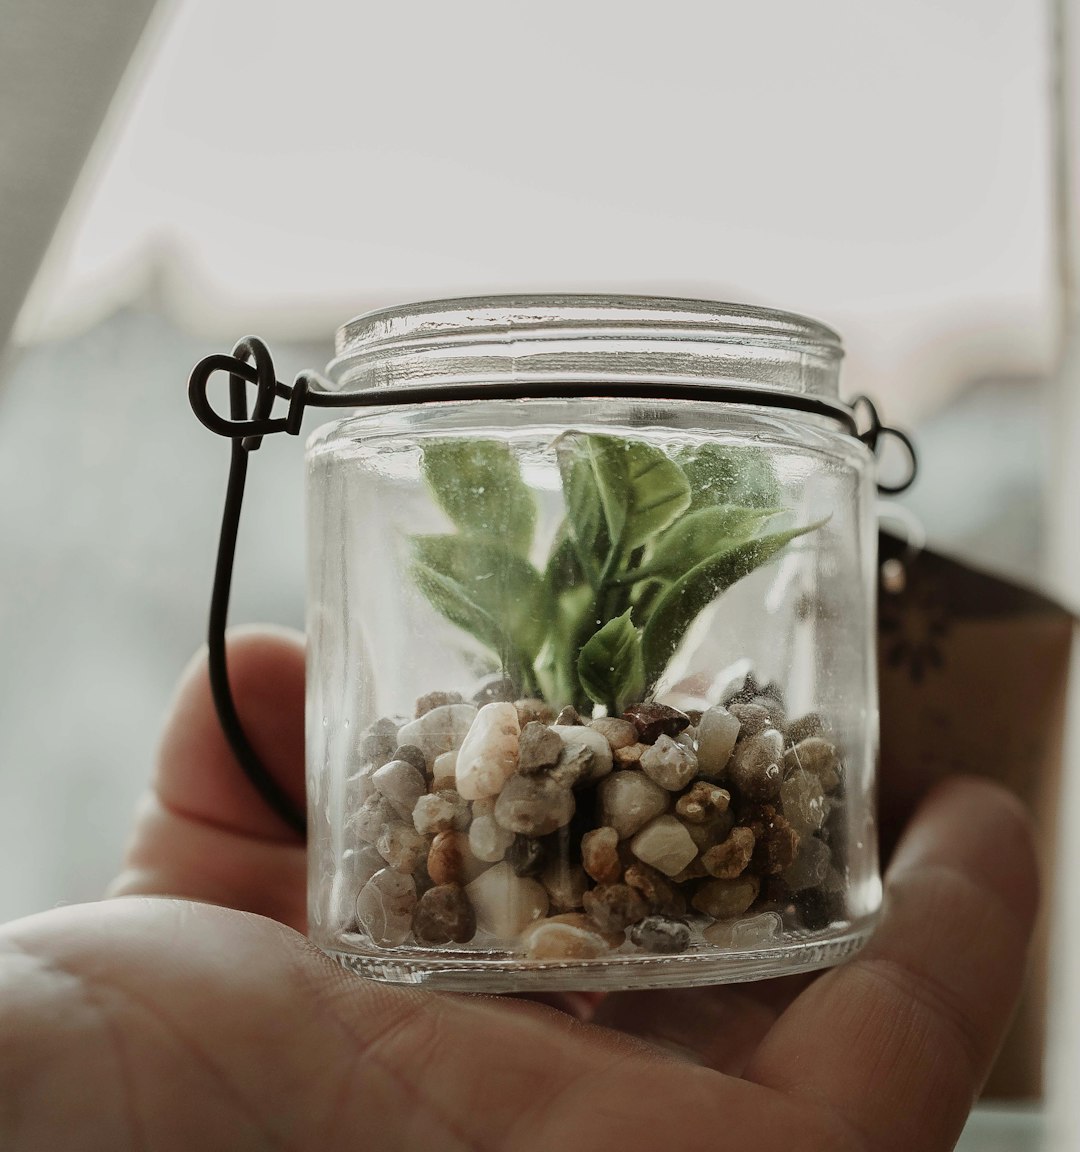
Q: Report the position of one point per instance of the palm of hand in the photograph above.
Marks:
(162, 1024)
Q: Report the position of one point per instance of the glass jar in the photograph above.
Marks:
(591, 678)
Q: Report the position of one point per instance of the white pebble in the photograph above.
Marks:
(368, 821)
(665, 844)
(554, 940)
(385, 907)
(753, 932)
(444, 772)
(440, 812)
(356, 868)
(488, 756)
(670, 764)
(489, 841)
(401, 784)
(506, 904)
(440, 730)
(716, 736)
(629, 800)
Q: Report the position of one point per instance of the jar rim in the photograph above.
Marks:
(570, 336)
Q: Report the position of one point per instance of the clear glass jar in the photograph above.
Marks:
(591, 680)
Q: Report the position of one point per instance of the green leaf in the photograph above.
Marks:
(729, 474)
(684, 600)
(487, 590)
(584, 524)
(697, 536)
(478, 484)
(641, 490)
(610, 666)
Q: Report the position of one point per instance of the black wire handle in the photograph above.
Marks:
(251, 363)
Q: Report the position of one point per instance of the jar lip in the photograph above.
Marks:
(582, 336)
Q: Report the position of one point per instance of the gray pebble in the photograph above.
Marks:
(660, 934)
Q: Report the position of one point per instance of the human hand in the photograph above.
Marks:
(165, 1024)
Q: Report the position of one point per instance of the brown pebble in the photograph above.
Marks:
(654, 720)
(776, 848)
(712, 831)
(615, 907)
(600, 855)
(534, 709)
(444, 914)
(496, 690)
(538, 747)
(806, 726)
(433, 700)
(777, 715)
(411, 755)
(728, 860)
(618, 733)
(756, 766)
(701, 801)
(630, 754)
(534, 805)
(661, 896)
(569, 715)
(818, 756)
(585, 922)
(450, 860)
(723, 899)
(753, 718)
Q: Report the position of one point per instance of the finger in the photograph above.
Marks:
(197, 774)
(900, 1040)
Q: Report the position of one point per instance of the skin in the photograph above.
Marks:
(208, 1022)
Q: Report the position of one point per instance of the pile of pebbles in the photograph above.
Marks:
(499, 824)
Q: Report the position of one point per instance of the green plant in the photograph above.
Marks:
(647, 542)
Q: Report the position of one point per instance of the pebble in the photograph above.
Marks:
(384, 907)
(533, 710)
(368, 821)
(652, 720)
(661, 896)
(775, 709)
(670, 764)
(505, 904)
(401, 846)
(488, 841)
(565, 884)
(438, 731)
(629, 800)
(756, 766)
(440, 812)
(576, 736)
(575, 762)
(411, 755)
(776, 847)
(444, 915)
(753, 718)
(702, 802)
(496, 690)
(534, 805)
(568, 716)
(806, 726)
(820, 907)
(444, 772)
(614, 907)
(538, 748)
(818, 756)
(379, 741)
(803, 800)
(355, 869)
(618, 733)
(660, 934)
(488, 755)
(630, 755)
(752, 932)
(724, 899)
(665, 844)
(401, 784)
(729, 859)
(710, 832)
(567, 937)
(359, 787)
(716, 735)
(451, 861)
(810, 867)
(525, 855)
(600, 855)
(433, 700)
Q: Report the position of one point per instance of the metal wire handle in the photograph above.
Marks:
(251, 363)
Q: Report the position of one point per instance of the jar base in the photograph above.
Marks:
(462, 970)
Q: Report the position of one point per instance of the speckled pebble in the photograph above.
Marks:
(701, 802)
(660, 934)
(756, 766)
(444, 915)
(753, 718)
(534, 805)
(488, 755)
(806, 726)
(729, 859)
(670, 764)
(803, 800)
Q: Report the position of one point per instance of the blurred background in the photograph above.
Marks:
(176, 174)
